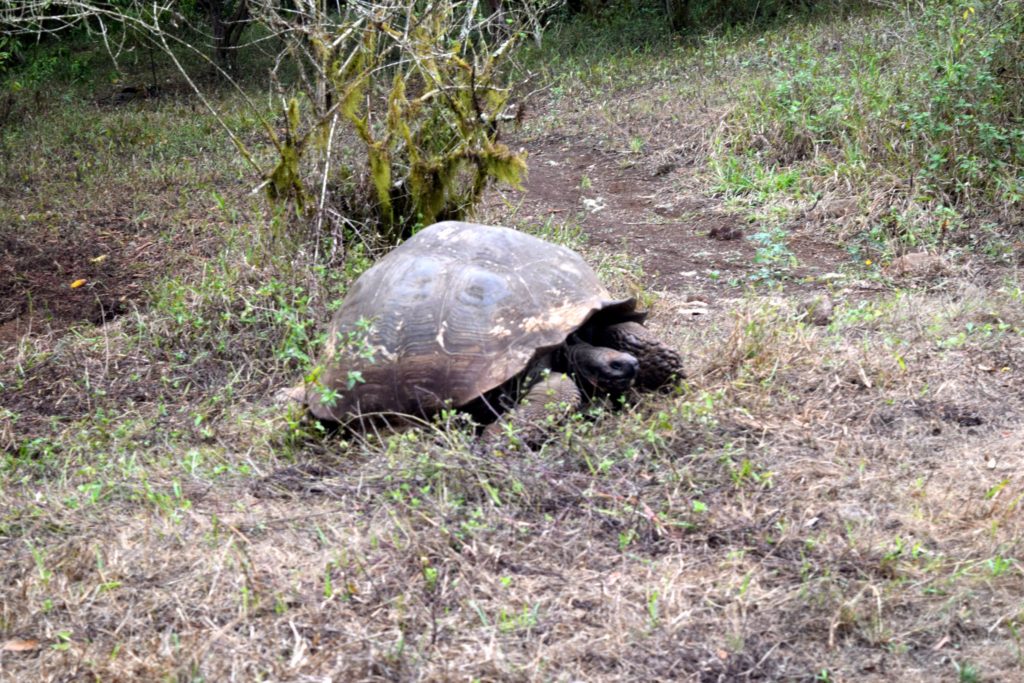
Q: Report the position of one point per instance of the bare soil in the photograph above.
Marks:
(76, 264)
(649, 207)
(77, 267)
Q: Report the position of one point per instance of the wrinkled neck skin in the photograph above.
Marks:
(569, 359)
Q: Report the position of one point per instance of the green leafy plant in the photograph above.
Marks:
(966, 672)
(9, 46)
(700, 13)
(949, 116)
(773, 257)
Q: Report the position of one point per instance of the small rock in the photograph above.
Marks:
(725, 232)
(917, 264)
(693, 309)
(854, 514)
(838, 207)
(816, 309)
(665, 169)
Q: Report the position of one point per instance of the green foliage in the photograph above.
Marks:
(44, 64)
(713, 13)
(966, 672)
(747, 175)
(948, 117)
(773, 257)
(655, 16)
(9, 46)
(275, 321)
(614, 27)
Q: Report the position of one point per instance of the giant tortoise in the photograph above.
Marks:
(464, 315)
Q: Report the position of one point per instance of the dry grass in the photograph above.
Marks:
(807, 503)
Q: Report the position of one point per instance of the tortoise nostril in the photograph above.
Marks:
(625, 367)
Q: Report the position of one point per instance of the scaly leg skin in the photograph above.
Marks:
(659, 363)
(554, 396)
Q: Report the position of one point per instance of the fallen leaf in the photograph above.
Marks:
(77, 283)
(19, 645)
(99, 259)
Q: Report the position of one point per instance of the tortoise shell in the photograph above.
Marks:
(457, 310)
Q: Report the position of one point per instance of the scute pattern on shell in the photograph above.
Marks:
(456, 310)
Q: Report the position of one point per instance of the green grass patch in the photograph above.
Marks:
(923, 96)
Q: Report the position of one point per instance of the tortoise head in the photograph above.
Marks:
(600, 367)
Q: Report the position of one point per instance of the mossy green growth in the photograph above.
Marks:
(285, 182)
(426, 115)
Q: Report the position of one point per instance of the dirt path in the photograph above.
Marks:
(688, 243)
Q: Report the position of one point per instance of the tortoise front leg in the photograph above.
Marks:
(549, 400)
(658, 361)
